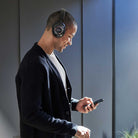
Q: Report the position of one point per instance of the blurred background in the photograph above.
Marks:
(101, 63)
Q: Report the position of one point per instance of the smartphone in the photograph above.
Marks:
(98, 101)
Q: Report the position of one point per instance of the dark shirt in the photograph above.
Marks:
(44, 107)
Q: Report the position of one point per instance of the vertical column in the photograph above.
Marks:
(113, 70)
(82, 80)
(97, 46)
(8, 67)
(126, 64)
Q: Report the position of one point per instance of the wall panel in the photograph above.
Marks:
(126, 64)
(97, 51)
(9, 60)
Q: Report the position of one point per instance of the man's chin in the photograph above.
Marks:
(60, 50)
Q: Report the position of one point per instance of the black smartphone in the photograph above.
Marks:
(98, 101)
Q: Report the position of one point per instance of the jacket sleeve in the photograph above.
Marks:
(31, 110)
(74, 103)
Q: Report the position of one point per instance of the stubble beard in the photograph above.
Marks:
(60, 50)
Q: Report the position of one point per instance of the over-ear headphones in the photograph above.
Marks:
(58, 28)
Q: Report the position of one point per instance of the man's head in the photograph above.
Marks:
(63, 27)
(60, 29)
(61, 17)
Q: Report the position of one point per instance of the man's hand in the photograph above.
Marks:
(82, 132)
(83, 105)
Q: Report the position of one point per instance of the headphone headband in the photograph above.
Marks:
(62, 15)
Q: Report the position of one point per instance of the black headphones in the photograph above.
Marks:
(58, 28)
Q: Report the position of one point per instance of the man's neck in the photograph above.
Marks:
(46, 42)
(47, 49)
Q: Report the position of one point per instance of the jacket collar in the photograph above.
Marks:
(54, 69)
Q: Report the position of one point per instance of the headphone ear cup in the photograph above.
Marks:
(58, 29)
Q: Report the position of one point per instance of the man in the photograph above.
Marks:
(43, 87)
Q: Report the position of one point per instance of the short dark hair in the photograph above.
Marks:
(66, 17)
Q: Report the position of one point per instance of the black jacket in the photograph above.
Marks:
(44, 107)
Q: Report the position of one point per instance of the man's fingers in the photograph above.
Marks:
(88, 134)
(83, 132)
(88, 101)
(86, 109)
(89, 107)
(91, 102)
